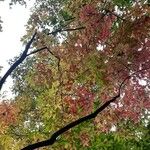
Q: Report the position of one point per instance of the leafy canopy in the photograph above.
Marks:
(89, 48)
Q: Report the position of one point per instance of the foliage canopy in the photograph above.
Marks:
(82, 53)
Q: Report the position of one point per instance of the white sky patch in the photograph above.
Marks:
(142, 82)
(113, 128)
(100, 47)
(14, 21)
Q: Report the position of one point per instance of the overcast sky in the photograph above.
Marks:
(14, 21)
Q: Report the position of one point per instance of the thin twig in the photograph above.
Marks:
(60, 77)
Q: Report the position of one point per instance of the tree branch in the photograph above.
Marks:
(63, 30)
(24, 54)
(38, 50)
(19, 61)
(54, 136)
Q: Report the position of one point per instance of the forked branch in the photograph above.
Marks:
(25, 53)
